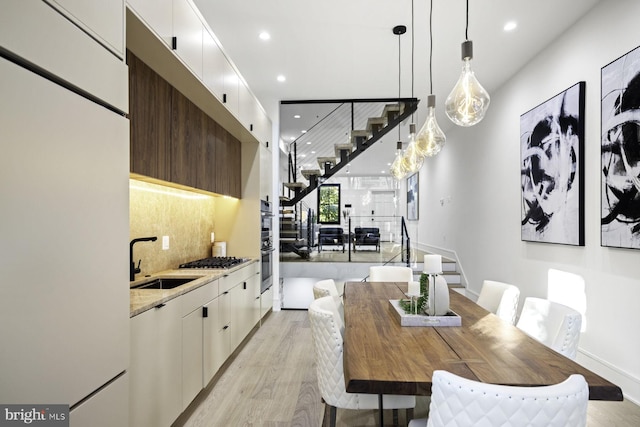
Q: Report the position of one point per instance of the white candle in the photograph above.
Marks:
(432, 264)
(414, 288)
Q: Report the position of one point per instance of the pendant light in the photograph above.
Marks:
(412, 160)
(430, 139)
(397, 169)
(468, 102)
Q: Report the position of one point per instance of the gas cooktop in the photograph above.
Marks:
(214, 262)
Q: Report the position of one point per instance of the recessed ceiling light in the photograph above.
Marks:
(303, 155)
(308, 142)
(292, 138)
(297, 116)
(303, 131)
(510, 26)
(313, 152)
(281, 78)
(264, 35)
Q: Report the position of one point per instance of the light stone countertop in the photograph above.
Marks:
(142, 300)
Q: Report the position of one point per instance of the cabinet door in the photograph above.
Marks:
(150, 116)
(158, 15)
(265, 172)
(231, 88)
(103, 19)
(187, 136)
(247, 108)
(266, 301)
(213, 65)
(192, 350)
(107, 408)
(215, 347)
(155, 367)
(228, 164)
(206, 175)
(187, 29)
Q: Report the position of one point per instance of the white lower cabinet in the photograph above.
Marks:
(179, 346)
(266, 301)
(155, 367)
(213, 349)
(194, 315)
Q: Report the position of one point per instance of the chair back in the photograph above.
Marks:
(324, 288)
(554, 324)
(500, 298)
(390, 273)
(328, 349)
(459, 401)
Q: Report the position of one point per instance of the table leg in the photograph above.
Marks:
(380, 410)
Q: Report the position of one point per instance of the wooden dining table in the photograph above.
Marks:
(383, 357)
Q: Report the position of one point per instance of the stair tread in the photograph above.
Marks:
(375, 121)
(308, 173)
(294, 185)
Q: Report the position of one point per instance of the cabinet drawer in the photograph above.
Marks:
(198, 297)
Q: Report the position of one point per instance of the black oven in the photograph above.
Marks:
(266, 245)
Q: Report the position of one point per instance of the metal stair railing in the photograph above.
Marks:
(339, 138)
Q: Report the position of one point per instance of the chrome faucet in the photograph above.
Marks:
(132, 265)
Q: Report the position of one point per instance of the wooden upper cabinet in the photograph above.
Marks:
(150, 124)
(227, 164)
(187, 139)
(206, 178)
(175, 141)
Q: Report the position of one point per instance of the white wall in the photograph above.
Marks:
(478, 176)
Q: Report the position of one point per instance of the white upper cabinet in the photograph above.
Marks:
(187, 30)
(157, 14)
(231, 89)
(199, 50)
(213, 65)
(103, 19)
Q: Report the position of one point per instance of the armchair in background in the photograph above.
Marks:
(367, 236)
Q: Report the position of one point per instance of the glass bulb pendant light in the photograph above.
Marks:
(468, 102)
(430, 139)
(397, 168)
(412, 160)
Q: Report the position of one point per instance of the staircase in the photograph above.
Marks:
(336, 156)
(364, 122)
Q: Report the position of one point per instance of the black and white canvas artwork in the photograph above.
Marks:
(552, 144)
(620, 152)
(412, 197)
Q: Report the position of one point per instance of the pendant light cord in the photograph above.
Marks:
(431, 48)
(399, 76)
(466, 30)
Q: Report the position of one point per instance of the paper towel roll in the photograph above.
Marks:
(219, 249)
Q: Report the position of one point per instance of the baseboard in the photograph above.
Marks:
(629, 384)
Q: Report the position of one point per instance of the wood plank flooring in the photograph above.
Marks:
(272, 383)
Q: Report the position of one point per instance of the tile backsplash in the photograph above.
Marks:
(187, 218)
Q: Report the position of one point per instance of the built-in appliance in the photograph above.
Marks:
(214, 262)
(266, 245)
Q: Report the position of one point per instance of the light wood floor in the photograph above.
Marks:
(272, 382)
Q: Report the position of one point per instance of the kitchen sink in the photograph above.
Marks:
(165, 283)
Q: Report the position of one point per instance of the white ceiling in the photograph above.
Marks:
(336, 49)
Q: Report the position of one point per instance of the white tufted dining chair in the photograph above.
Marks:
(500, 298)
(457, 401)
(553, 324)
(390, 273)
(324, 288)
(328, 350)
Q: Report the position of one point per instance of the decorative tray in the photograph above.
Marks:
(449, 319)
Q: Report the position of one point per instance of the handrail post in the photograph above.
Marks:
(349, 238)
